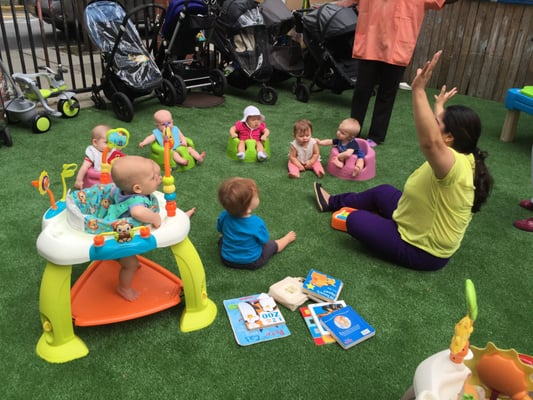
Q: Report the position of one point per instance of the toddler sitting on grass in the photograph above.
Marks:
(245, 242)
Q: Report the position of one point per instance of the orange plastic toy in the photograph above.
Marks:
(94, 301)
(338, 218)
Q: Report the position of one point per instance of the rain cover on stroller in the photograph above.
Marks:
(131, 61)
(240, 31)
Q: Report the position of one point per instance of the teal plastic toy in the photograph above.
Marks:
(157, 153)
(250, 152)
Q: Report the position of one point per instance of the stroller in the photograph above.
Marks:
(184, 57)
(129, 71)
(328, 34)
(286, 54)
(241, 37)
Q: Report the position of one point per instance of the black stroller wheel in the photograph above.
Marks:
(167, 93)
(218, 82)
(181, 89)
(302, 93)
(268, 96)
(122, 106)
(6, 136)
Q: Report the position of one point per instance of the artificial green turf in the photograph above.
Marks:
(413, 313)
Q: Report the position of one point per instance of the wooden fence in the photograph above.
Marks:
(487, 47)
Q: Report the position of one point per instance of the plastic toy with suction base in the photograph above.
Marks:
(455, 374)
(250, 154)
(63, 246)
(117, 139)
(368, 171)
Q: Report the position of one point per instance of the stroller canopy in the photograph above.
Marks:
(131, 61)
(330, 21)
(238, 14)
(277, 16)
(196, 7)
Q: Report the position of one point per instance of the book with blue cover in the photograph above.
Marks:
(347, 327)
(319, 310)
(321, 287)
(275, 328)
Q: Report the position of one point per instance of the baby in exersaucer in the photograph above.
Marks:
(120, 208)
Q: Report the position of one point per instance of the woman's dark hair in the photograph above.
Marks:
(465, 126)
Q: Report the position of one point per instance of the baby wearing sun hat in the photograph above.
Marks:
(251, 126)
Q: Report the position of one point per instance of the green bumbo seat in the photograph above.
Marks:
(157, 153)
(250, 149)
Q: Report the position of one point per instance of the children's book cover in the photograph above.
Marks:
(318, 338)
(321, 286)
(245, 336)
(319, 310)
(347, 327)
(260, 312)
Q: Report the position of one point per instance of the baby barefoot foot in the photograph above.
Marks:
(285, 240)
(129, 294)
(338, 163)
(190, 212)
(183, 162)
(356, 172)
(201, 157)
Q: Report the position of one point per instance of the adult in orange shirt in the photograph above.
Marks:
(385, 40)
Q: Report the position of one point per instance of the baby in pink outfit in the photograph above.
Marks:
(251, 126)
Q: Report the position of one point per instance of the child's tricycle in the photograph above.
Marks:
(23, 94)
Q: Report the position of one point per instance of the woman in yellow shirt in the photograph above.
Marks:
(422, 227)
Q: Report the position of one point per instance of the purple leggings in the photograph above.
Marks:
(373, 226)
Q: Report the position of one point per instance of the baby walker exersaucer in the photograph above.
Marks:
(93, 299)
(466, 372)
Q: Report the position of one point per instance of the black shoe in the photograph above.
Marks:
(323, 205)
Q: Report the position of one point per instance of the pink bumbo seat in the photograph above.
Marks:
(368, 171)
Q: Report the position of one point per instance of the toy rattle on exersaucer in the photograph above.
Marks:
(467, 372)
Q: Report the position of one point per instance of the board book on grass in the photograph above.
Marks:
(321, 287)
(245, 336)
(347, 327)
(319, 310)
(260, 312)
(318, 338)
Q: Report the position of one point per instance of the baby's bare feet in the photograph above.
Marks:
(285, 240)
(338, 163)
(129, 294)
(201, 157)
(190, 212)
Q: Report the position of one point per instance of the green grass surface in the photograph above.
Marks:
(414, 313)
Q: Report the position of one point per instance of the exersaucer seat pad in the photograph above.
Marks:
(87, 209)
